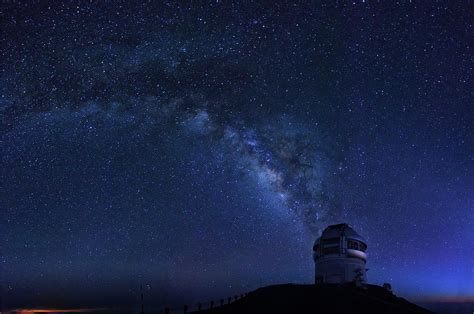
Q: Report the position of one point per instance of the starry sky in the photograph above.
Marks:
(200, 149)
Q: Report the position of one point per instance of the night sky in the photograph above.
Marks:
(199, 150)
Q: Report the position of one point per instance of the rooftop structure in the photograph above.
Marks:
(339, 256)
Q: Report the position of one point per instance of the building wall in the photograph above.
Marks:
(338, 269)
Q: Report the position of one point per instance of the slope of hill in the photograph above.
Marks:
(319, 299)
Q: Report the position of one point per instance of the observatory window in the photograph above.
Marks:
(331, 241)
(356, 245)
(353, 245)
(331, 250)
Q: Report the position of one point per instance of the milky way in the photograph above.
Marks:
(152, 81)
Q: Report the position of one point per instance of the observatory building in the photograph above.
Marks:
(339, 256)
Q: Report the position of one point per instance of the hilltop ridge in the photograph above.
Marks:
(327, 298)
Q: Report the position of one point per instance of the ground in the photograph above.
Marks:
(291, 298)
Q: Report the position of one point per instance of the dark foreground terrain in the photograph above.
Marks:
(319, 299)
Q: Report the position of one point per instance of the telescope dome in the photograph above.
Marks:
(339, 255)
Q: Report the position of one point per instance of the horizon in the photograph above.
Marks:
(430, 302)
(426, 300)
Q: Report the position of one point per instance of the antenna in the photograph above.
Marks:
(141, 294)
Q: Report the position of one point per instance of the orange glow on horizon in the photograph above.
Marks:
(32, 311)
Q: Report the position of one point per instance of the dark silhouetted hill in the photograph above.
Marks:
(319, 299)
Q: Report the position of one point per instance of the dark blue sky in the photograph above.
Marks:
(200, 149)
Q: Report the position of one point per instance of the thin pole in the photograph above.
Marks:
(141, 293)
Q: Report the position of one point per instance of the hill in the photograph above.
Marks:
(290, 298)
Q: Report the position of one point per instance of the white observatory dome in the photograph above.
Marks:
(339, 255)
